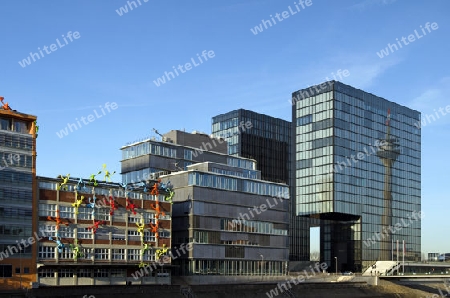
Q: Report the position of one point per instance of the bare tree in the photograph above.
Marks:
(314, 256)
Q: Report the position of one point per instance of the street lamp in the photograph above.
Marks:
(336, 264)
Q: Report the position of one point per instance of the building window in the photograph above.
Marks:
(5, 124)
(48, 185)
(26, 270)
(17, 270)
(65, 254)
(188, 154)
(101, 273)
(84, 233)
(65, 273)
(20, 126)
(47, 210)
(84, 273)
(149, 255)
(165, 217)
(132, 218)
(118, 273)
(46, 252)
(149, 217)
(118, 254)
(304, 120)
(46, 273)
(149, 237)
(118, 234)
(47, 230)
(66, 232)
(87, 253)
(102, 254)
(85, 213)
(186, 164)
(200, 237)
(66, 212)
(134, 254)
(164, 234)
(134, 236)
(102, 233)
(214, 181)
(102, 214)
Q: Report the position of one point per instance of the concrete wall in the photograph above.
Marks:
(304, 290)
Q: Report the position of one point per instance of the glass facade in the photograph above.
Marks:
(142, 159)
(233, 184)
(257, 136)
(16, 162)
(358, 169)
(17, 147)
(228, 236)
(148, 148)
(268, 141)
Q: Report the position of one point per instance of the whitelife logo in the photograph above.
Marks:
(430, 118)
(187, 66)
(12, 158)
(411, 38)
(11, 250)
(90, 118)
(285, 14)
(124, 9)
(71, 36)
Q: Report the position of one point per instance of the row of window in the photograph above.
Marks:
(16, 141)
(118, 192)
(13, 194)
(148, 148)
(228, 267)
(9, 249)
(207, 180)
(14, 177)
(8, 159)
(225, 124)
(266, 189)
(15, 213)
(142, 175)
(241, 163)
(16, 230)
(115, 254)
(376, 105)
(101, 233)
(246, 174)
(100, 213)
(238, 225)
(304, 120)
(13, 125)
(97, 273)
(221, 182)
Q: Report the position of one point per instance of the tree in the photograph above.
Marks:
(314, 256)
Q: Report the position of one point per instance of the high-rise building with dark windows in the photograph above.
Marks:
(267, 140)
(357, 171)
(261, 137)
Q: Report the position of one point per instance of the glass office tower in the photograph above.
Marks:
(265, 139)
(358, 171)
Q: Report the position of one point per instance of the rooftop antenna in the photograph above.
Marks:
(157, 132)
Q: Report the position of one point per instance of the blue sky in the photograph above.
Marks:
(117, 58)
